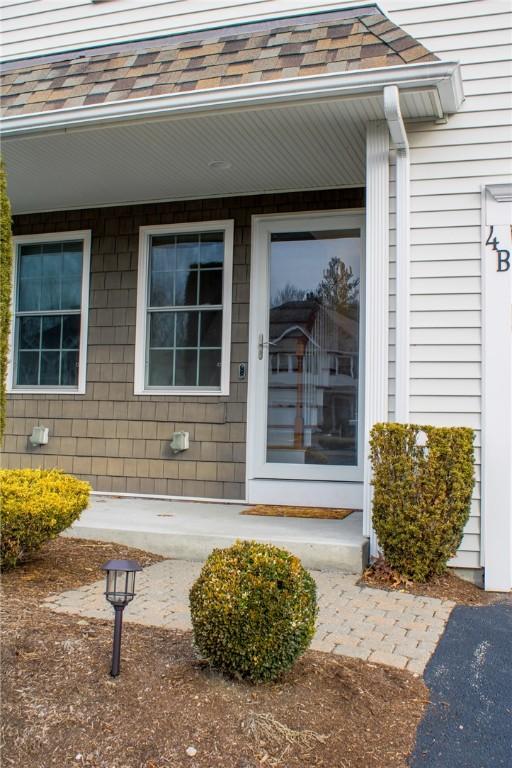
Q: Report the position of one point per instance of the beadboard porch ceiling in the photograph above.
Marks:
(229, 152)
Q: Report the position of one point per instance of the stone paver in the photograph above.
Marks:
(383, 627)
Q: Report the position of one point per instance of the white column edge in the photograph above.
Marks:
(377, 299)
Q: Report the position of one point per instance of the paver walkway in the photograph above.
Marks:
(385, 627)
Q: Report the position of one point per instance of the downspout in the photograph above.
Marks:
(399, 138)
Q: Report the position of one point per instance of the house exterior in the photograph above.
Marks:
(268, 225)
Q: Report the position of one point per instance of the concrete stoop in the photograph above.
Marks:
(189, 530)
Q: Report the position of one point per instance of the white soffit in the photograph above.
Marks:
(287, 147)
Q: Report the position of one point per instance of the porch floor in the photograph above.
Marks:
(189, 530)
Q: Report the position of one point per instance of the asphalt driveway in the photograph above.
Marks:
(468, 723)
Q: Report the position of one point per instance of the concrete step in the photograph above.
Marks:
(189, 530)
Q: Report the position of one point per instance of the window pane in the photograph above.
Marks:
(29, 332)
(70, 331)
(29, 295)
(160, 367)
(186, 329)
(209, 368)
(186, 288)
(28, 368)
(211, 287)
(52, 266)
(50, 362)
(163, 253)
(30, 261)
(212, 249)
(161, 291)
(161, 329)
(51, 332)
(211, 329)
(71, 294)
(186, 368)
(187, 251)
(313, 325)
(50, 294)
(69, 369)
(50, 276)
(72, 259)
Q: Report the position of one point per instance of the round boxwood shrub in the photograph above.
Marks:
(253, 610)
(422, 494)
(36, 506)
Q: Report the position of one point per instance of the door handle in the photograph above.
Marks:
(262, 344)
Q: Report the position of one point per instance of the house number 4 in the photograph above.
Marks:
(503, 264)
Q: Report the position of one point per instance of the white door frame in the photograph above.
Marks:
(496, 546)
(290, 483)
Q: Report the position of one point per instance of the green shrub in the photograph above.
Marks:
(36, 506)
(253, 610)
(422, 495)
(5, 289)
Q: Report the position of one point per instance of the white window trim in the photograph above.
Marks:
(84, 236)
(145, 234)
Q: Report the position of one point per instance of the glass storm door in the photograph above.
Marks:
(307, 335)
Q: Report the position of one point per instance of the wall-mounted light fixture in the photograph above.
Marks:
(39, 436)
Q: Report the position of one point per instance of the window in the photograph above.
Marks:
(50, 302)
(184, 309)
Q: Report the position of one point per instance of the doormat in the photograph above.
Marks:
(319, 513)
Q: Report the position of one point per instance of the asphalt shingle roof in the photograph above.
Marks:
(314, 44)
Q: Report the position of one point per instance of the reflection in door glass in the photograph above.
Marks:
(313, 367)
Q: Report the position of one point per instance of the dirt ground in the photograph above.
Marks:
(448, 586)
(62, 709)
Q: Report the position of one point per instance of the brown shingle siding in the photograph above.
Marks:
(109, 435)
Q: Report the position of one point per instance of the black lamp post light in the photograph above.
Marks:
(120, 590)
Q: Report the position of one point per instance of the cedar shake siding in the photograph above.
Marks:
(116, 440)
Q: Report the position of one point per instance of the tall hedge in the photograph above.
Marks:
(422, 494)
(5, 288)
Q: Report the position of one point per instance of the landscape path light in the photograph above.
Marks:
(120, 590)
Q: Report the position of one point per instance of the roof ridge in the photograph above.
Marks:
(153, 43)
(397, 47)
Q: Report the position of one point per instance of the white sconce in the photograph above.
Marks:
(422, 441)
(179, 442)
(39, 436)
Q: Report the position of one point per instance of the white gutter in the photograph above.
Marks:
(399, 138)
(441, 75)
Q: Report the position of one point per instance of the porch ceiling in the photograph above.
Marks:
(287, 147)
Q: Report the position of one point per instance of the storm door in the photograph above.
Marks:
(306, 343)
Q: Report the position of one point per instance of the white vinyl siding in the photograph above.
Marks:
(449, 164)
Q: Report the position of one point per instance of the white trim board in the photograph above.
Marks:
(444, 77)
(306, 493)
(496, 389)
(377, 300)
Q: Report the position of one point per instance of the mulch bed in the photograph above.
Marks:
(448, 586)
(62, 709)
(280, 510)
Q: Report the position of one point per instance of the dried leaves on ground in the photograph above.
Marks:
(62, 709)
(447, 586)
